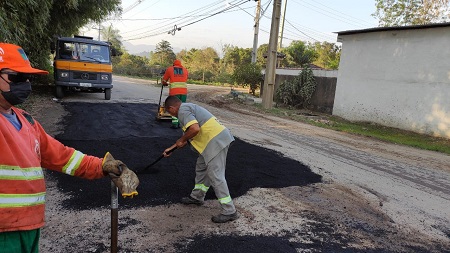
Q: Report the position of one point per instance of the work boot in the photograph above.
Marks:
(222, 218)
(190, 200)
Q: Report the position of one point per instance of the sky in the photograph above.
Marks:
(215, 23)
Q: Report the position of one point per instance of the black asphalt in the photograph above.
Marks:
(131, 133)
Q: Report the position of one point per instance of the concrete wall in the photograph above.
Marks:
(397, 78)
(322, 99)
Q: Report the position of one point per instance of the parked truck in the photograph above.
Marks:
(82, 64)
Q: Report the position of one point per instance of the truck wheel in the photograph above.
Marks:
(59, 91)
(108, 94)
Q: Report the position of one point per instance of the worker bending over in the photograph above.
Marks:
(211, 140)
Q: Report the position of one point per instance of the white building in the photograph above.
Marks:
(397, 77)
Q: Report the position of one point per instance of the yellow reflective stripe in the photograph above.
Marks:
(190, 123)
(201, 187)
(19, 200)
(73, 163)
(178, 85)
(208, 131)
(17, 173)
(225, 200)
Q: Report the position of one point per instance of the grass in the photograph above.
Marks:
(388, 134)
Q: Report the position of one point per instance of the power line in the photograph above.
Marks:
(329, 14)
(170, 18)
(304, 33)
(187, 22)
(344, 14)
(129, 8)
(147, 7)
(178, 17)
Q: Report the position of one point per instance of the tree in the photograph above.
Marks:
(248, 74)
(163, 55)
(298, 53)
(112, 35)
(132, 65)
(410, 12)
(261, 55)
(328, 55)
(235, 56)
(205, 61)
(33, 24)
(187, 58)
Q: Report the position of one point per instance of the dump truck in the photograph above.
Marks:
(82, 64)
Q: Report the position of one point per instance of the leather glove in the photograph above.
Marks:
(124, 178)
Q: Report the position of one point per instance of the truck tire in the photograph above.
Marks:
(108, 94)
(59, 91)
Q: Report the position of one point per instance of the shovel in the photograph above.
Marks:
(157, 160)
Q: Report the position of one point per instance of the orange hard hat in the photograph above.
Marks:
(13, 57)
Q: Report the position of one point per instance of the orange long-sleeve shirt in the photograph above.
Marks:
(177, 75)
(23, 154)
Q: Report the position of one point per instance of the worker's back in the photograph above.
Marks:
(177, 76)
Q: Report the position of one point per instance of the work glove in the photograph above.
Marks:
(124, 178)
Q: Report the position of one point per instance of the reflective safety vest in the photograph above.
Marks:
(23, 154)
(177, 76)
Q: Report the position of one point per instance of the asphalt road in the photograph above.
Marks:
(367, 185)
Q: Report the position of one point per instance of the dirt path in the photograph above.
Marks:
(375, 196)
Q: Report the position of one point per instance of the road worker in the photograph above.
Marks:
(176, 77)
(25, 148)
(211, 140)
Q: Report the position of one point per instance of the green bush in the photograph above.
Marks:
(298, 91)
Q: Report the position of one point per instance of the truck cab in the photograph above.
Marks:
(82, 64)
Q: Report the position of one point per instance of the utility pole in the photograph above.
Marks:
(269, 80)
(280, 37)
(99, 29)
(255, 37)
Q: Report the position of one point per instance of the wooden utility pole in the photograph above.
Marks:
(255, 37)
(280, 37)
(269, 81)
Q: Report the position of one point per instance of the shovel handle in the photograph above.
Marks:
(171, 150)
(159, 158)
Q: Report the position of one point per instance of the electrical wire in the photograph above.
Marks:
(129, 8)
(189, 14)
(344, 19)
(185, 23)
(146, 8)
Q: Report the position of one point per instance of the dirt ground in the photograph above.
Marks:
(291, 198)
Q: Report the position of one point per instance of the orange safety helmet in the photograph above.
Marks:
(13, 57)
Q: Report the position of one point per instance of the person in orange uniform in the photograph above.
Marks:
(176, 77)
(25, 148)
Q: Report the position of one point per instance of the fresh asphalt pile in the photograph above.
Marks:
(131, 134)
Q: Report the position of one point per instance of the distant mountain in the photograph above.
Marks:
(141, 49)
(143, 54)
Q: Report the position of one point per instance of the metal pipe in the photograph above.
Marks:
(114, 216)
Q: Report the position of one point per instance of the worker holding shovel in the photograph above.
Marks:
(211, 140)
